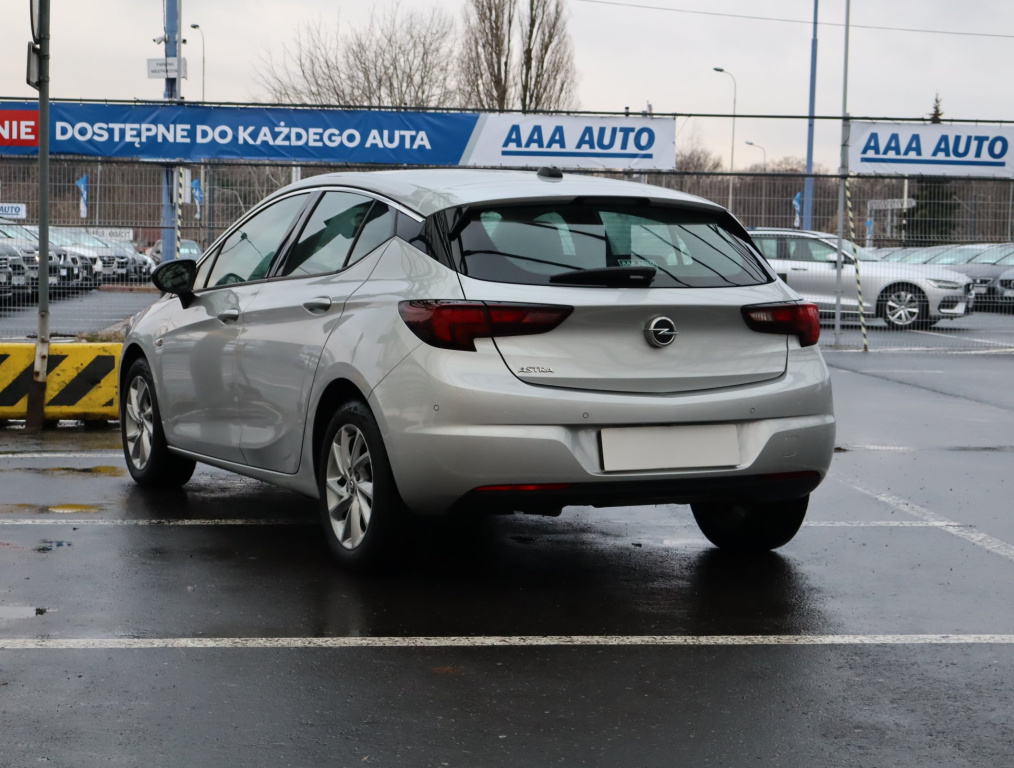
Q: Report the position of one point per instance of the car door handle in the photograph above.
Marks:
(317, 306)
(800, 269)
(229, 315)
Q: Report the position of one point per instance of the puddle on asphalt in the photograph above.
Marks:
(985, 449)
(99, 471)
(42, 509)
(20, 612)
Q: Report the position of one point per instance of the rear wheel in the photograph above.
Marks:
(904, 307)
(750, 526)
(361, 511)
(148, 458)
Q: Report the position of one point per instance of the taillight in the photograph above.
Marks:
(799, 320)
(457, 324)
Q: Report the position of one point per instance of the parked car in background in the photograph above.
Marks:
(440, 340)
(189, 249)
(1003, 289)
(905, 296)
(6, 274)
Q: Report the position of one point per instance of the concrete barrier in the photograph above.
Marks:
(82, 382)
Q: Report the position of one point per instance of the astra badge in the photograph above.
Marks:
(660, 332)
(534, 369)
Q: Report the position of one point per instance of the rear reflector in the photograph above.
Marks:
(457, 324)
(799, 320)
(532, 487)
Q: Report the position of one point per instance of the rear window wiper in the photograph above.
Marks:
(632, 277)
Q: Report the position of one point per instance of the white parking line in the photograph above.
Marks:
(91, 455)
(983, 540)
(80, 522)
(501, 641)
(988, 342)
(85, 521)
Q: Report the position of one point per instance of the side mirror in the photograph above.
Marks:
(176, 277)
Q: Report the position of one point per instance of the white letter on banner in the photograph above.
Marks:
(298, 137)
(244, 134)
(351, 138)
(132, 133)
(223, 134)
(421, 140)
(183, 134)
(83, 132)
(373, 140)
(264, 136)
(63, 131)
(332, 137)
(147, 131)
(204, 134)
(100, 133)
(313, 137)
(165, 133)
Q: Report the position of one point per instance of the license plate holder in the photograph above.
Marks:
(695, 446)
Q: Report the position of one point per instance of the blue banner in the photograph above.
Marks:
(180, 133)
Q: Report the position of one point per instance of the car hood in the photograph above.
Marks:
(892, 269)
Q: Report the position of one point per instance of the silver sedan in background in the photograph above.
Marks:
(464, 341)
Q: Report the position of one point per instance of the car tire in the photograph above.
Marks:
(149, 460)
(750, 526)
(361, 511)
(904, 307)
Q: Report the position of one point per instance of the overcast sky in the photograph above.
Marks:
(625, 56)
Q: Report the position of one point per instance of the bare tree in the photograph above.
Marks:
(485, 63)
(400, 58)
(541, 77)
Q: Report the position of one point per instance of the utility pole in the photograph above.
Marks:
(37, 388)
(173, 49)
(843, 173)
(808, 181)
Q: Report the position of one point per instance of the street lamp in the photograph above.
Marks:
(198, 28)
(764, 183)
(732, 152)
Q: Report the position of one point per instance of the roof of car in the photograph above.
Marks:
(427, 191)
(790, 232)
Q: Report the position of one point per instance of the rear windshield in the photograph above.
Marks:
(531, 243)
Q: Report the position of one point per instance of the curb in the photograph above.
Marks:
(82, 380)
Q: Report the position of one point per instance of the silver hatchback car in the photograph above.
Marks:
(470, 341)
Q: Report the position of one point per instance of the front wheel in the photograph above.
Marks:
(750, 526)
(904, 307)
(149, 460)
(361, 511)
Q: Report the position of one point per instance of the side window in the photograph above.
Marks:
(768, 247)
(325, 241)
(377, 230)
(824, 252)
(799, 250)
(248, 252)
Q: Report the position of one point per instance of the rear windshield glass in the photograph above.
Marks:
(531, 243)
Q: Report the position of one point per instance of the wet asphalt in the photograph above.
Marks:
(912, 535)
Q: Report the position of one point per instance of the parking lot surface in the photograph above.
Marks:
(208, 627)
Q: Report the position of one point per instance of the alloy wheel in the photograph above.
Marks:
(903, 308)
(349, 486)
(139, 415)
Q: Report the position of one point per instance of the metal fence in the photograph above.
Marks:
(888, 214)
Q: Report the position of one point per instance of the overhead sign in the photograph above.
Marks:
(932, 150)
(13, 210)
(184, 133)
(165, 67)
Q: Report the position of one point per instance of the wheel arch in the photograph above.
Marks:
(131, 353)
(338, 391)
(881, 304)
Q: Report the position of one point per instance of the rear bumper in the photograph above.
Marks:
(455, 422)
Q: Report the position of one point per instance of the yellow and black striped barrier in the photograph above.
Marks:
(81, 382)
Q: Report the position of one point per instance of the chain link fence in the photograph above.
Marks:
(932, 252)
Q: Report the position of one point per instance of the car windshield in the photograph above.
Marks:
(553, 242)
(18, 232)
(994, 255)
(960, 255)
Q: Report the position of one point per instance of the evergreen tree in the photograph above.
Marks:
(934, 218)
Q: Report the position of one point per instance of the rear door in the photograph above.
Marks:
(704, 275)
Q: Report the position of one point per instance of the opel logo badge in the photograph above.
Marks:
(660, 332)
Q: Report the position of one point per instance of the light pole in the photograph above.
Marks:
(198, 28)
(204, 190)
(732, 152)
(764, 182)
